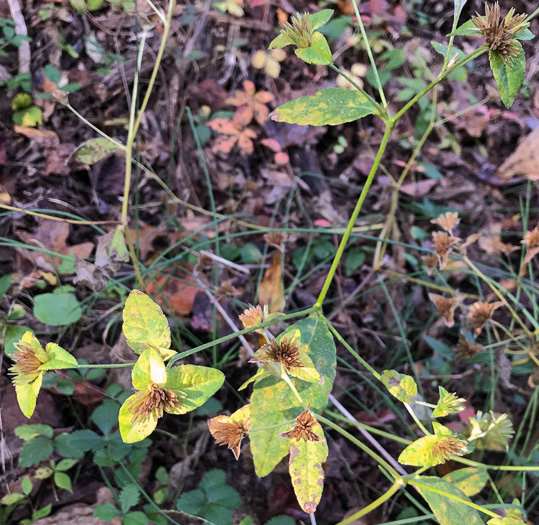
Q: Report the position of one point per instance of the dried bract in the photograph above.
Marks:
(466, 349)
(531, 240)
(447, 221)
(285, 353)
(230, 430)
(443, 244)
(480, 312)
(275, 239)
(302, 430)
(253, 316)
(430, 260)
(446, 307)
(448, 446)
(499, 32)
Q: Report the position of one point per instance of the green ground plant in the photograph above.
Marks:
(291, 388)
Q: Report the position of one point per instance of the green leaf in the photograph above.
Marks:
(524, 34)
(94, 150)
(466, 29)
(317, 53)
(509, 73)
(135, 518)
(26, 485)
(440, 48)
(273, 405)
(447, 511)
(145, 325)
(12, 334)
(27, 432)
(106, 512)
(458, 5)
(149, 369)
(83, 440)
(63, 481)
(330, 106)
(57, 309)
(354, 260)
(52, 73)
(504, 521)
(105, 416)
(129, 497)
(21, 102)
(5, 283)
(281, 520)
(35, 451)
(42, 513)
(192, 502)
(66, 464)
(489, 432)
(58, 358)
(12, 499)
(401, 386)
(470, 480)
(194, 385)
(448, 403)
(306, 472)
(321, 18)
(225, 496)
(43, 473)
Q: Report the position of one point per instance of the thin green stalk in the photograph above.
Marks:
(417, 420)
(383, 145)
(288, 381)
(116, 365)
(423, 92)
(453, 497)
(375, 504)
(508, 468)
(339, 337)
(370, 55)
(380, 460)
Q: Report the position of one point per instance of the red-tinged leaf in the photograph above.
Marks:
(221, 125)
(245, 144)
(244, 116)
(281, 158)
(272, 144)
(225, 143)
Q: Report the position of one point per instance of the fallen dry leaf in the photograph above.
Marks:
(524, 160)
(271, 291)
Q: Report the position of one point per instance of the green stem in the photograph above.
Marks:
(375, 504)
(118, 365)
(416, 419)
(226, 338)
(508, 468)
(380, 460)
(375, 104)
(453, 497)
(422, 93)
(369, 53)
(383, 145)
(288, 381)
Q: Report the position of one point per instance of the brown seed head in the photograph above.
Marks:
(27, 363)
(253, 316)
(448, 446)
(480, 312)
(498, 31)
(300, 31)
(152, 401)
(226, 289)
(228, 432)
(431, 260)
(446, 307)
(284, 352)
(275, 239)
(466, 349)
(302, 429)
(443, 244)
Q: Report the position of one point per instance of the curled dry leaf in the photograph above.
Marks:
(531, 240)
(252, 104)
(446, 307)
(523, 161)
(271, 291)
(480, 312)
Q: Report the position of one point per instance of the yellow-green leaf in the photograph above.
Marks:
(149, 369)
(58, 358)
(130, 431)
(448, 511)
(306, 472)
(330, 106)
(470, 480)
(401, 386)
(508, 73)
(448, 403)
(504, 521)
(145, 325)
(317, 53)
(27, 395)
(194, 385)
(94, 150)
(273, 405)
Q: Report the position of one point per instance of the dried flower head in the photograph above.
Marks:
(531, 240)
(226, 289)
(284, 352)
(430, 260)
(253, 316)
(300, 31)
(302, 430)
(151, 402)
(275, 239)
(466, 349)
(230, 430)
(204, 261)
(443, 244)
(447, 221)
(450, 445)
(498, 31)
(480, 312)
(448, 403)
(27, 359)
(446, 307)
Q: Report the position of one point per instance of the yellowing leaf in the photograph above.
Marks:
(331, 106)
(27, 395)
(145, 325)
(271, 291)
(58, 358)
(470, 480)
(149, 369)
(306, 472)
(134, 430)
(401, 386)
(94, 150)
(317, 53)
